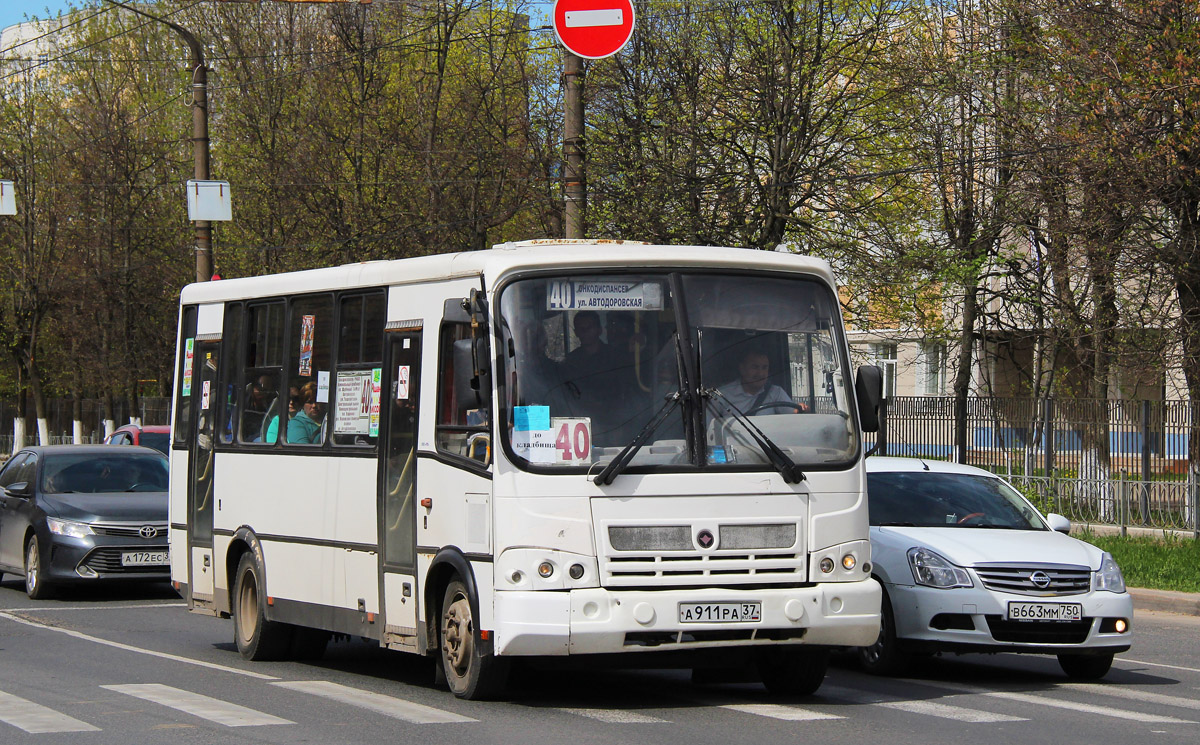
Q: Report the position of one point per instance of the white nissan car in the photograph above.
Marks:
(969, 565)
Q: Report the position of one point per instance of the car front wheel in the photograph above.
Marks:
(1085, 666)
(36, 586)
(885, 657)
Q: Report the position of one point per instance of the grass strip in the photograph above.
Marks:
(1166, 563)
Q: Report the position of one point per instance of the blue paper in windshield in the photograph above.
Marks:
(531, 418)
(717, 455)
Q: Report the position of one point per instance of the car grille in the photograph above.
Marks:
(1063, 579)
(107, 560)
(666, 554)
(1039, 632)
(128, 530)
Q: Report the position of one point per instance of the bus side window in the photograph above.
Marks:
(462, 429)
(262, 402)
(361, 321)
(231, 341)
(183, 377)
(310, 341)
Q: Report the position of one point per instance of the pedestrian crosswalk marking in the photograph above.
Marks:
(205, 707)
(397, 708)
(1136, 694)
(615, 716)
(1056, 703)
(37, 719)
(777, 711)
(927, 708)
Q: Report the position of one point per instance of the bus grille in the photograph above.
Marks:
(657, 555)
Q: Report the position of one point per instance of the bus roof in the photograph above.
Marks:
(500, 260)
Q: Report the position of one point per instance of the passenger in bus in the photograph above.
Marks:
(294, 405)
(305, 427)
(753, 392)
(589, 379)
(260, 392)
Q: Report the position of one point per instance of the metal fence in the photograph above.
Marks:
(1108, 462)
(60, 419)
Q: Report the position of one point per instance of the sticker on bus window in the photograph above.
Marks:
(205, 395)
(535, 446)
(308, 325)
(188, 358)
(376, 386)
(531, 418)
(352, 408)
(322, 386)
(402, 382)
(569, 294)
(572, 440)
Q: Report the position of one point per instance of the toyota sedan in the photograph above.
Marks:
(967, 564)
(75, 514)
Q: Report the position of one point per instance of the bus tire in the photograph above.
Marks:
(792, 671)
(257, 638)
(470, 673)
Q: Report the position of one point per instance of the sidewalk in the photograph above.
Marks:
(1165, 601)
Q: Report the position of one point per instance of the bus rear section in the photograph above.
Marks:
(534, 451)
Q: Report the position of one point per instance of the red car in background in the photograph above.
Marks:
(157, 436)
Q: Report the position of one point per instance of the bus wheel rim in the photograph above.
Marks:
(458, 635)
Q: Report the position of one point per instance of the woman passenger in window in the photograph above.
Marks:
(305, 427)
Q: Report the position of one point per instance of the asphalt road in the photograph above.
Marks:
(130, 666)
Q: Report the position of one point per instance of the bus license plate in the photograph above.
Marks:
(720, 612)
(1045, 612)
(144, 558)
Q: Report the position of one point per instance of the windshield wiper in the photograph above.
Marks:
(786, 466)
(617, 464)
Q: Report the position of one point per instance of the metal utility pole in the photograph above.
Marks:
(574, 178)
(204, 262)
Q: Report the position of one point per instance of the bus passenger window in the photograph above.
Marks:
(463, 428)
(354, 401)
(184, 375)
(231, 340)
(310, 342)
(262, 374)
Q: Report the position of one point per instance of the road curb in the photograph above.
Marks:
(1165, 601)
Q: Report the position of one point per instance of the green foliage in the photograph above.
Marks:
(1166, 563)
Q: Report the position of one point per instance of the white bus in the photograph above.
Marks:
(547, 448)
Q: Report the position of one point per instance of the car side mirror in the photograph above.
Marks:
(21, 489)
(868, 389)
(1058, 523)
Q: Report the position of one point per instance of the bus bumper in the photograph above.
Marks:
(599, 621)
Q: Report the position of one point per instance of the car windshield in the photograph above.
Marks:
(589, 360)
(90, 473)
(947, 500)
(160, 441)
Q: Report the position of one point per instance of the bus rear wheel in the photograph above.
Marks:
(470, 673)
(257, 638)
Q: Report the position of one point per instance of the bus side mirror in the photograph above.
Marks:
(868, 389)
(471, 391)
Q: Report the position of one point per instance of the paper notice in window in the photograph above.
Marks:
(535, 446)
(322, 386)
(531, 418)
(352, 409)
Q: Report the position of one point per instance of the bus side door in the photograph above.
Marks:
(201, 486)
(398, 487)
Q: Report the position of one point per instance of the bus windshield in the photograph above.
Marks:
(590, 360)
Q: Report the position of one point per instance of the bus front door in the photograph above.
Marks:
(200, 475)
(398, 488)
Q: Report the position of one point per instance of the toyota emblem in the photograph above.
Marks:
(706, 539)
(148, 531)
(1040, 579)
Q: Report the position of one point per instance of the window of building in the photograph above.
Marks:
(886, 358)
(932, 369)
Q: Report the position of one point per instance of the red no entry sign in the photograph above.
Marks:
(593, 28)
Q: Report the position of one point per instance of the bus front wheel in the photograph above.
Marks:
(470, 673)
(257, 638)
(792, 671)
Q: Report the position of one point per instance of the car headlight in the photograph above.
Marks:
(933, 570)
(1108, 578)
(69, 528)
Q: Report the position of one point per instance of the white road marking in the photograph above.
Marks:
(35, 718)
(946, 711)
(1159, 664)
(1136, 694)
(1030, 698)
(776, 711)
(205, 707)
(397, 708)
(615, 716)
(57, 608)
(139, 650)
(927, 708)
(594, 18)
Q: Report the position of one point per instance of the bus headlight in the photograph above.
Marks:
(849, 562)
(545, 570)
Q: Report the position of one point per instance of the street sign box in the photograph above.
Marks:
(593, 29)
(209, 200)
(8, 198)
